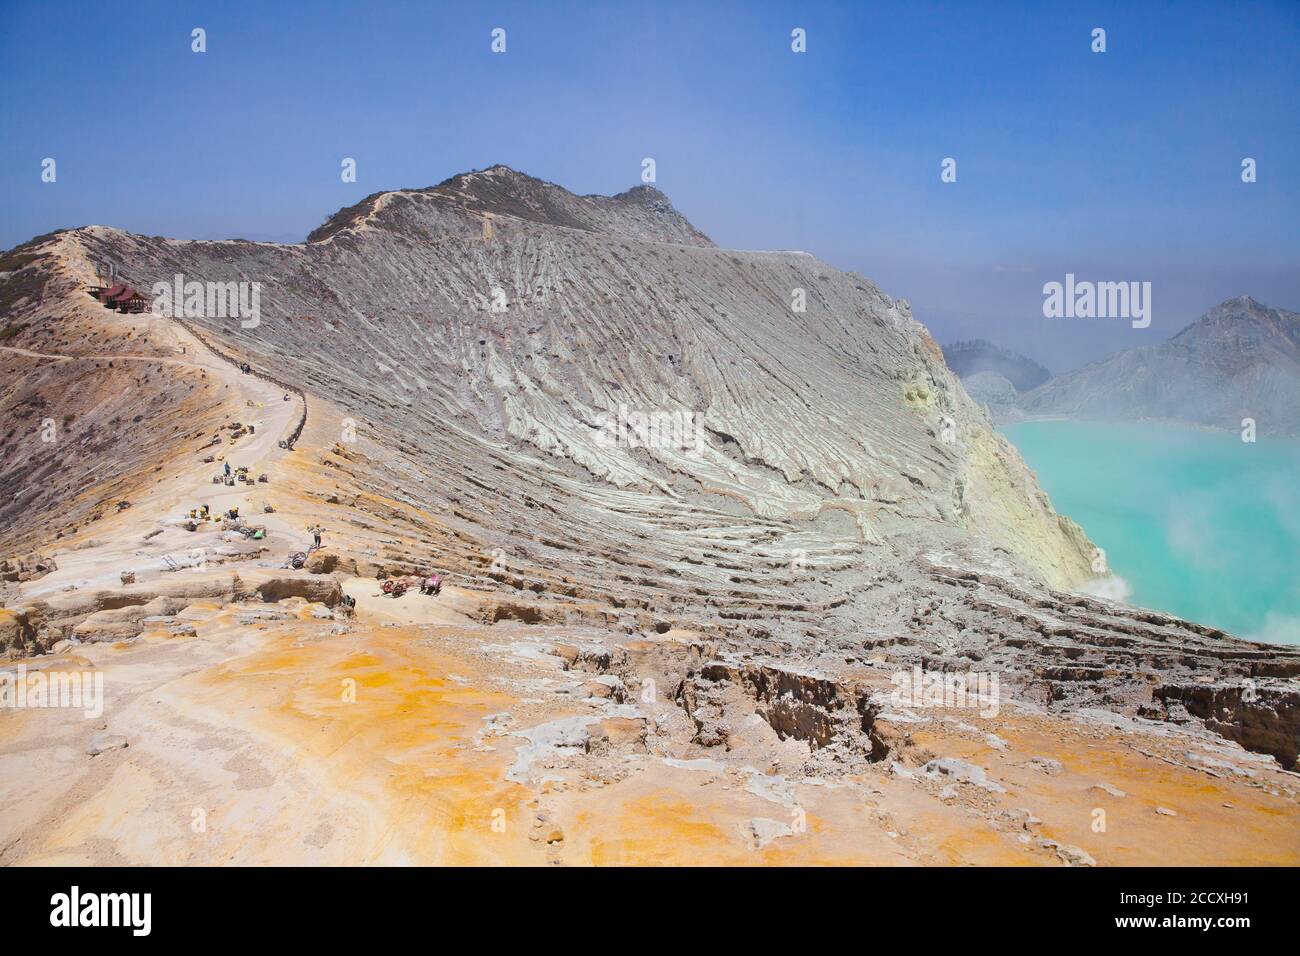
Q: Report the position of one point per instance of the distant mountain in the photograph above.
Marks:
(642, 212)
(1240, 360)
(974, 356)
(996, 394)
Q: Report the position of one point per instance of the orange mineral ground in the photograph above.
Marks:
(286, 742)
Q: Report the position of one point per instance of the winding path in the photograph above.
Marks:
(100, 565)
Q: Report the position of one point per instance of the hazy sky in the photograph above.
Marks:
(1123, 165)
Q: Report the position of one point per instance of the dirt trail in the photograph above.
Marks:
(101, 357)
(122, 546)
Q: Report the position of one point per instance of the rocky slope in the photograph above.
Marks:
(497, 340)
(1240, 360)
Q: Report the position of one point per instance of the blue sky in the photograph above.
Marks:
(1116, 166)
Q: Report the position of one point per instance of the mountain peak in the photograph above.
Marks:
(642, 213)
(1242, 309)
(1239, 304)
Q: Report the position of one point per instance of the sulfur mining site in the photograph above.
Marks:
(495, 524)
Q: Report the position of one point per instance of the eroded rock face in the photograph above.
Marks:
(328, 561)
(124, 622)
(1265, 718)
(818, 710)
(86, 616)
(311, 587)
(17, 632)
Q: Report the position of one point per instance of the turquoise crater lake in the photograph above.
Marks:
(1196, 523)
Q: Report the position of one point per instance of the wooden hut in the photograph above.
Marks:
(109, 293)
(132, 300)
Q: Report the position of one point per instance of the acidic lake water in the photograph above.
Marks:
(1196, 523)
